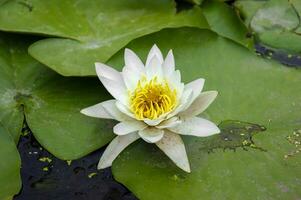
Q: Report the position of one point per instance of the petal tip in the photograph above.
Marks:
(187, 169)
(155, 46)
(83, 111)
(101, 166)
(127, 51)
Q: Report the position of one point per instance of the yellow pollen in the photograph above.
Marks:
(152, 99)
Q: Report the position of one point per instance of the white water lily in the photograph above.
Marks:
(151, 102)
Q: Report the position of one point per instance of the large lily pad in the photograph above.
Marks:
(251, 89)
(49, 102)
(91, 30)
(10, 179)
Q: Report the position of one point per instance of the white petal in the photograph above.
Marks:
(154, 68)
(131, 78)
(155, 51)
(117, 90)
(196, 86)
(105, 110)
(171, 122)
(187, 95)
(97, 111)
(200, 104)
(127, 127)
(175, 78)
(103, 70)
(154, 122)
(151, 135)
(175, 82)
(132, 61)
(110, 107)
(197, 127)
(117, 145)
(169, 64)
(172, 145)
(124, 109)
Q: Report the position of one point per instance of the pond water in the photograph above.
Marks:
(45, 177)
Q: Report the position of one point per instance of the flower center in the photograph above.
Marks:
(152, 99)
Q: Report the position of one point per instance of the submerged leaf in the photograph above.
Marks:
(91, 30)
(247, 9)
(275, 15)
(251, 89)
(276, 23)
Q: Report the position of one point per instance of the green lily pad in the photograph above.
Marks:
(286, 40)
(247, 9)
(275, 15)
(251, 89)
(224, 20)
(10, 179)
(91, 30)
(49, 102)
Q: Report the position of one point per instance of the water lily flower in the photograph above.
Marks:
(151, 102)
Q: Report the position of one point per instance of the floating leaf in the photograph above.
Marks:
(251, 89)
(91, 30)
(50, 103)
(275, 15)
(223, 20)
(276, 22)
(247, 9)
(10, 179)
(282, 40)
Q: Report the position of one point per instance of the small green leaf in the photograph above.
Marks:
(247, 9)
(90, 31)
(224, 21)
(51, 103)
(275, 15)
(10, 179)
(251, 89)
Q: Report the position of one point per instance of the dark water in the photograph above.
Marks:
(45, 177)
(290, 60)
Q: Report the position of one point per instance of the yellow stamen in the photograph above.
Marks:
(152, 99)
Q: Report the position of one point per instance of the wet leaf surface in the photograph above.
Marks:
(88, 31)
